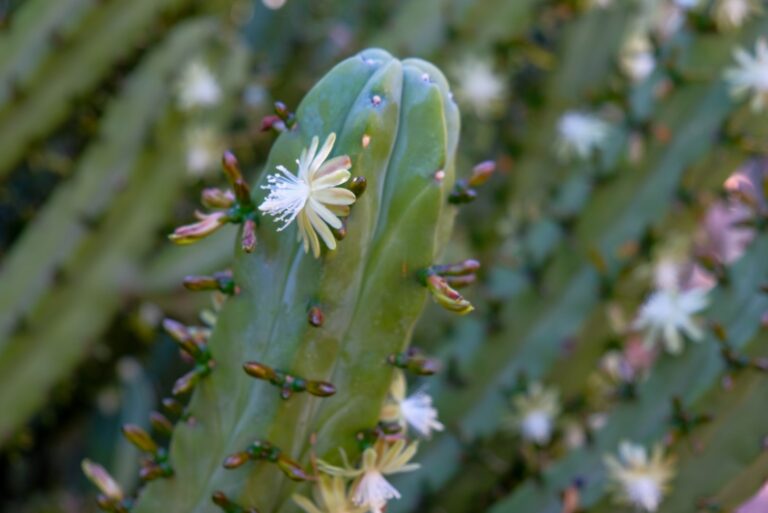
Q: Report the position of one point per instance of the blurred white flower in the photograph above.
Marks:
(415, 410)
(581, 134)
(687, 4)
(601, 4)
(197, 87)
(479, 87)
(536, 411)
(204, 147)
(731, 14)
(273, 4)
(668, 312)
(637, 480)
(636, 59)
(751, 75)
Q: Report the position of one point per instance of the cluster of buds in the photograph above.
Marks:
(288, 383)
(156, 464)
(415, 361)
(443, 280)
(228, 506)
(263, 450)
(282, 120)
(464, 189)
(111, 498)
(222, 281)
(233, 207)
(193, 343)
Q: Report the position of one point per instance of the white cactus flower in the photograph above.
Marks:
(415, 410)
(731, 14)
(479, 87)
(751, 75)
(273, 4)
(370, 489)
(198, 87)
(581, 134)
(668, 314)
(536, 412)
(638, 480)
(312, 196)
(204, 147)
(637, 60)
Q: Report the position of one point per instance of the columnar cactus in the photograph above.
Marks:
(317, 327)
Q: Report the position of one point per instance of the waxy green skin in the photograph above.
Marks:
(366, 290)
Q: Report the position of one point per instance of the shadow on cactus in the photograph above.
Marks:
(293, 404)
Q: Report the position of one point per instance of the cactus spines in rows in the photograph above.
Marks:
(333, 316)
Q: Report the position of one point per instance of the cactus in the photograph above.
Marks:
(39, 85)
(73, 245)
(395, 121)
(615, 359)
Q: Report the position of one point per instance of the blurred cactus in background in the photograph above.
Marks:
(559, 308)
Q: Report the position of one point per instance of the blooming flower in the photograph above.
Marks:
(330, 497)
(667, 312)
(415, 410)
(479, 87)
(637, 60)
(273, 4)
(731, 14)
(535, 413)
(204, 149)
(581, 134)
(638, 480)
(751, 75)
(370, 489)
(311, 196)
(198, 87)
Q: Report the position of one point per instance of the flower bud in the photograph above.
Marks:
(237, 460)
(320, 388)
(140, 438)
(481, 173)
(217, 198)
(447, 297)
(191, 233)
(98, 475)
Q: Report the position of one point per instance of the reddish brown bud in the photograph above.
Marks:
(217, 198)
(249, 236)
(259, 370)
(236, 460)
(98, 475)
(316, 317)
(272, 122)
(358, 185)
(160, 423)
(186, 383)
(140, 438)
(481, 173)
(320, 388)
(292, 469)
